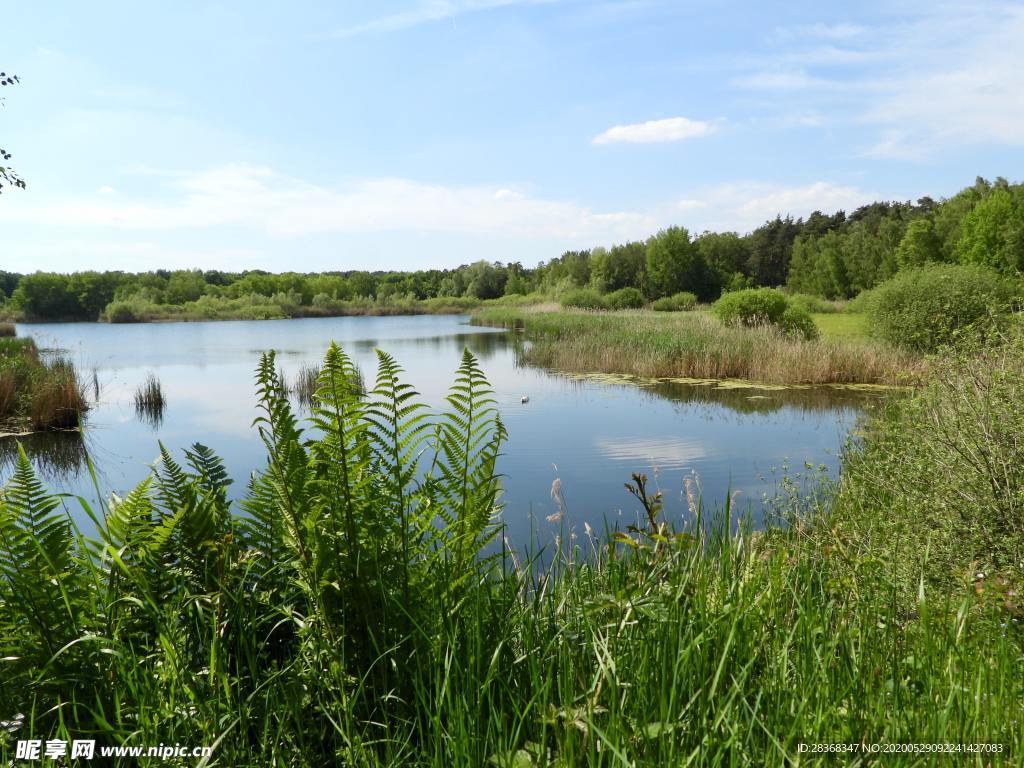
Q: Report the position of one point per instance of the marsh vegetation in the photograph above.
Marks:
(694, 345)
(149, 400)
(38, 392)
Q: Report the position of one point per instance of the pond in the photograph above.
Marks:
(590, 433)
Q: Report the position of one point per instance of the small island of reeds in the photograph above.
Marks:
(37, 392)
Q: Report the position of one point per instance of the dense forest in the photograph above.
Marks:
(836, 256)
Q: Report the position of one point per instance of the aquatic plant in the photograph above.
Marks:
(307, 380)
(38, 392)
(150, 401)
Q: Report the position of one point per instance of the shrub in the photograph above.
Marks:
(584, 298)
(683, 301)
(7, 329)
(929, 307)
(764, 306)
(859, 304)
(796, 321)
(121, 312)
(813, 304)
(624, 298)
(946, 464)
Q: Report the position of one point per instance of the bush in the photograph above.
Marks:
(813, 304)
(945, 466)
(798, 322)
(860, 303)
(122, 311)
(929, 307)
(683, 301)
(753, 307)
(584, 298)
(625, 298)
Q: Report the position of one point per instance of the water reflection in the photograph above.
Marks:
(55, 455)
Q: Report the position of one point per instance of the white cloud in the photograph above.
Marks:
(941, 77)
(105, 190)
(744, 206)
(669, 129)
(663, 452)
(972, 94)
(261, 199)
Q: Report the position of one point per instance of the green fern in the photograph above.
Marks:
(469, 438)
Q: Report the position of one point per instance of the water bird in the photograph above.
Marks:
(524, 399)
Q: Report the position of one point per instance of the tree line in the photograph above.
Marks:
(830, 255)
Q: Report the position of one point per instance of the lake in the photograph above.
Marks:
(591, 433)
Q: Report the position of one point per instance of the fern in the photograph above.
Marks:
(469, 438)
(399, 426)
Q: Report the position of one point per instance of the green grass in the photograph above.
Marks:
(695, 345)
(342, 612)
(842, 325)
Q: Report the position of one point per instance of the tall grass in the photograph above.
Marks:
(343, 613)
(150, 401)
(693, 345)
(7, 329)
(38, 393)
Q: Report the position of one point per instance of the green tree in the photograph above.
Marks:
(94, 290)
(185, 285)
(992, 234)
(920, 244)
(674, 264)
(47, 296)
(622, 266)
(726, 254)
(486, 280)
(771, 246)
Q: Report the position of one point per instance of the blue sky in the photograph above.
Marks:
(320, 135)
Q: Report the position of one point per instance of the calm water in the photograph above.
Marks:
(591, 434)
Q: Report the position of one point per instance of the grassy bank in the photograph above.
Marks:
(257, 307)
(341, 614)
(695, 345)
(36, 393)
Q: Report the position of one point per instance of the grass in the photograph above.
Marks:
(38, 393)
(150, 401)
(341, 613)
(842, 326)
(695, 345)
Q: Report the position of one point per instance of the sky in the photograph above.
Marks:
(431, 133)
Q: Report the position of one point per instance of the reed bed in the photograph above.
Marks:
(38, 393)
(693, 345)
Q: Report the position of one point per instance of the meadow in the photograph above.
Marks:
(343, 611)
